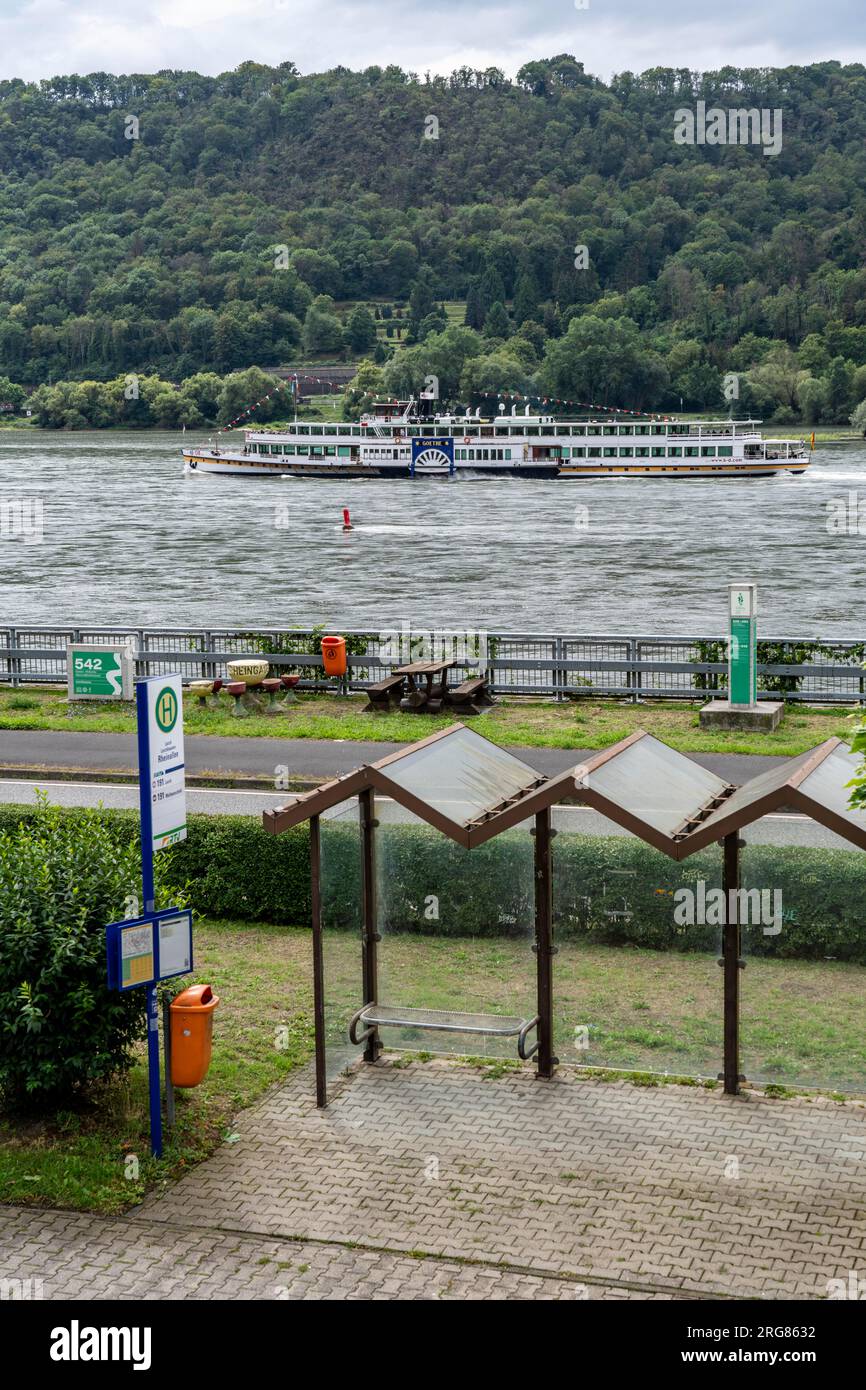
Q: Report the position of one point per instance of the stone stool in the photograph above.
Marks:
(201, 690)
(238, 689)
(271, 688)
(214, 700)
(288, 683)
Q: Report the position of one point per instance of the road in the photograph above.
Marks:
(307, 758)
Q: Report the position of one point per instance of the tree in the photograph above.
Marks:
(323, 331)
(242, 390)
(11, 395)
(360, 329)
(858, 419)
(603, 361)
(421, 299)
(527, 297)
(496, 324)
(366, 386)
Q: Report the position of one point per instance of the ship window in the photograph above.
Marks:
(578, 453)
(344, 451)
(501, 429)
(548, 429)
(508, 453)
(659, 429)
(593, 429)
(642, 453)
(691, 451)
(610, 453)
(594, 453)
(626, 453)
(708, 453)
(330, 450)
(625, 429)
(658, 453)
(532, 429)
(675, 453)
(725, 451)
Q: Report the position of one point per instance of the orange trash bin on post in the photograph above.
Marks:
(192, 1034)
(334, 656)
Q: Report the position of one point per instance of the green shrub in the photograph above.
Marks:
(62, 879)
(609, 890)
(228, 866)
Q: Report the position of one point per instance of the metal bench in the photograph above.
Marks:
(375, 1016)
(385, 694)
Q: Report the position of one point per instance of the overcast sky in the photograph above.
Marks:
(41, 38)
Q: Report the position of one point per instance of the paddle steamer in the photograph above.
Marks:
(398, 439)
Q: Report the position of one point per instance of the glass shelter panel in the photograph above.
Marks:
(461, 775)
(636, 984)
(803, 991)
(655, 783)
(340, 837)
(457, 928)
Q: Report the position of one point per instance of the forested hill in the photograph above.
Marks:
(177, 223)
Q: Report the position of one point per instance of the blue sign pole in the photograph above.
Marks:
(148, 894)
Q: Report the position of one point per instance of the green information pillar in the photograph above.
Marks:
(742, 648)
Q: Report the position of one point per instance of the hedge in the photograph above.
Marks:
(230, 866)
(607, 889)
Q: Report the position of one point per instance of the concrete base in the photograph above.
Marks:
(762, 718)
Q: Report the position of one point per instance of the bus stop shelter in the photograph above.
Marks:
(470, 791)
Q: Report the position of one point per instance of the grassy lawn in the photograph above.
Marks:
(585, 723)
(646, 1011)
(77, 1158)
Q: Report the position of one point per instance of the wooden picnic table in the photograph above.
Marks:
(429, 697)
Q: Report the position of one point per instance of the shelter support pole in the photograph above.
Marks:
(318, 960)
(544, 947)
(369, 933)
(732, 964)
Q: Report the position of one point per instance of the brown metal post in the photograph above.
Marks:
(369, 932)
(731, 964)
(544, 947)
(318, 960)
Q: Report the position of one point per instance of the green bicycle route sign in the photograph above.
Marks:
(99, 670)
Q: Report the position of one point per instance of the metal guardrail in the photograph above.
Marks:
(635, 668)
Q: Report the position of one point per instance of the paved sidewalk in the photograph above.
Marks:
(77, 1256)
(671, 1189)
(510, 1187)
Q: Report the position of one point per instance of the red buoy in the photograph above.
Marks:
(347, 520)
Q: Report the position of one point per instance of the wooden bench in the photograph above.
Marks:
(385, 694)
(469, 695)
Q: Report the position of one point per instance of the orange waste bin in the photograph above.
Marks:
(192, 1034)
(334, 656)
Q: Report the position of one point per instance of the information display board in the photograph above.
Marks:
(145, 950)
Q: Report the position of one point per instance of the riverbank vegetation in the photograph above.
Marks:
(157, 227)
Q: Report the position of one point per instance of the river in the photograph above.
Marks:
(128, 538)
